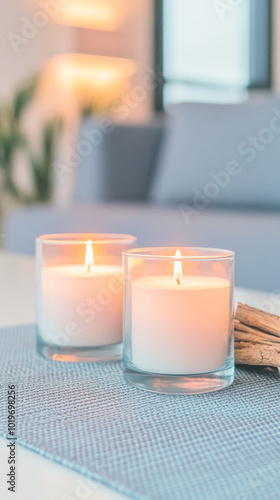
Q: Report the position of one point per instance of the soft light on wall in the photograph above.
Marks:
(82, 79)
(91, 79)
(105, 15)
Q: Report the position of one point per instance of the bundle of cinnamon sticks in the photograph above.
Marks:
(257, 337)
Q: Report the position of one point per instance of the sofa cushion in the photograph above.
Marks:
(254, 236)
(116, 161)
(221, 155)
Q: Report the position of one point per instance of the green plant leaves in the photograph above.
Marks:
(23, 97)
(13, 139)
(42, 167)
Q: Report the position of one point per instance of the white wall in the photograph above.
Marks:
(141, 40)
(21, 57)
(25, 48)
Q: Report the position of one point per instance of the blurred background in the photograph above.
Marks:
(159, 118)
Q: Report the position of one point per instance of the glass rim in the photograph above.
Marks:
(82, 238)
(213, 254)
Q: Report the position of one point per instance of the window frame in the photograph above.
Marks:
(260, 43)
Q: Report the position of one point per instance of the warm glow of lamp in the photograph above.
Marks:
(104, 15)
(90, 68)
(80, 77)
(178, 271)
(89, 260)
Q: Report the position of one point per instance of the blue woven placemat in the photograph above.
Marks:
(224, 445)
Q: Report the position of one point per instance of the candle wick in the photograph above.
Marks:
(88, 268)
(178, 281)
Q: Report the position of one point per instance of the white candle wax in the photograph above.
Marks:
(180, 328)
(81, 308)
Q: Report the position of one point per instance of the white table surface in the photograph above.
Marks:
(37, 477)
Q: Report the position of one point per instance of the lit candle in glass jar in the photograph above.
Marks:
(180, 324)
(89, 296)
(80, 300)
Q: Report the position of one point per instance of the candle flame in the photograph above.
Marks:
(89, 261)
(178, 271)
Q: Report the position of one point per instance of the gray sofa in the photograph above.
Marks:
(207, 176)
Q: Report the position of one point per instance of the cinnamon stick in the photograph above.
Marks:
(260, 319)
(257, 337)
(248, 333)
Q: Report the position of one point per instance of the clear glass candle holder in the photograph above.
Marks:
(80, 283)
(179, 319)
